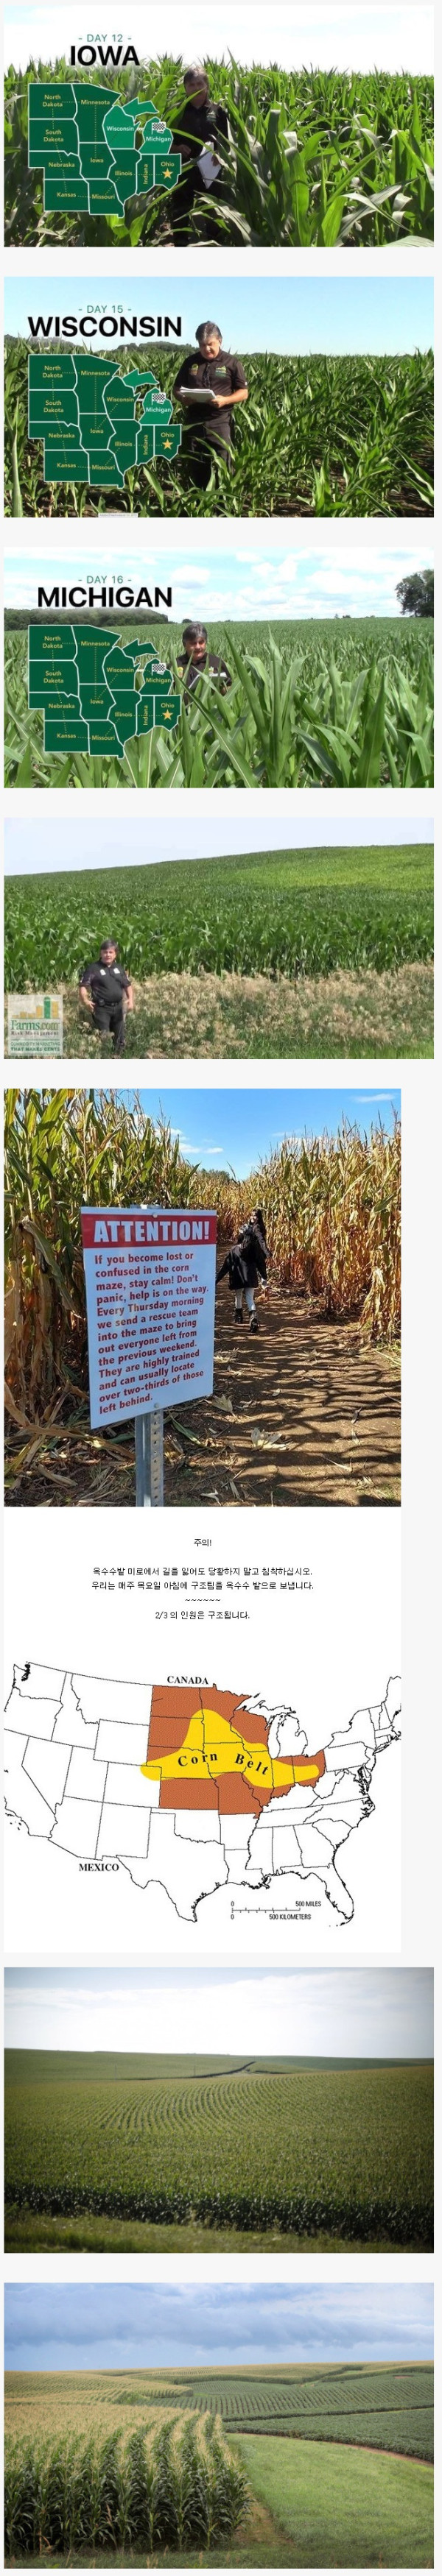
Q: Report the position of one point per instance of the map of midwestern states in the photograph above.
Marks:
(193, 1790)
(95, 150)
(95, 692)
(96, 422)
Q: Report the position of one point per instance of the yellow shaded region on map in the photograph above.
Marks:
(212, 1745)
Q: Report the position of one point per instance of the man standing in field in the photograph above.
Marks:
(195, 658)
(208, 384)
(106, 991)
(202, 125)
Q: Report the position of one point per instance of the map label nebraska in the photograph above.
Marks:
(194, 1790)
(95, 150)
(96, 422)
(95, 692)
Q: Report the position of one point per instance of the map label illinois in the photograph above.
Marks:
(193, 1789)
(96, 692)
(96, 422)
(94, 150)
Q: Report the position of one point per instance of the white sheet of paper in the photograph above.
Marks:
(209, 168)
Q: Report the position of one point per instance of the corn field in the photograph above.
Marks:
(313, 159)
(177, 2492)
(322, 703)
(331, 1205)
(345, 437)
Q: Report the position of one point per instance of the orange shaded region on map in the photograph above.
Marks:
(206, 1750)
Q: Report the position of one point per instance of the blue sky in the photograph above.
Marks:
(110, 2326)
(267, 579)
(333, 315)
(237, 1129)
(328, 2012)
(347, 38)
(42, 848)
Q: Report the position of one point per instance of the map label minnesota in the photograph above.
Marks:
(95, 691)
(96, 423)
(95, 150)
(192, 1789)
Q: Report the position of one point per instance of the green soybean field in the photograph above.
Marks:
(313, 159)
(313, 703)
(101, 2152)
(345, 437)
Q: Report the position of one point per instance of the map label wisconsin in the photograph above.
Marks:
(192, 1789)
(95, 150)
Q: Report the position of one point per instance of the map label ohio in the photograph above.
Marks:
(191, 1789)
(94, 151)
(96, 692)
(96, 423)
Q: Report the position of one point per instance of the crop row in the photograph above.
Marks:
(357, 714)
(169, 2494)
(312, 158)
(327, 437)
(309, 2154)
(301, 934)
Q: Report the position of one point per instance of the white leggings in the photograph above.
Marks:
(247, 1293)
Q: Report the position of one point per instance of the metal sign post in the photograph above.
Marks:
(149, 1459)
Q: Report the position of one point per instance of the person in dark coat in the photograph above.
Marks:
(244, 1265)
(195, 658)
(106, 990)
(202, 124)
(213, 372)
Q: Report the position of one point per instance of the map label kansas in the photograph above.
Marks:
(96, 151)
(97, 691)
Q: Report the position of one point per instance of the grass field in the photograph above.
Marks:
(347, 437)
(310, 706)
(289, 952)
(314, 158)
(337, 2150)
(80, 2448)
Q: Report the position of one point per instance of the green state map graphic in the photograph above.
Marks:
(94, 691)
(95, 422)
(95, 153)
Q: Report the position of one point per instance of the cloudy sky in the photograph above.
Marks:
(113, 2327)
(347, 38)
(234, 1130)
(39, 848)
(292, 315)
(331, 2012)
(251, 581)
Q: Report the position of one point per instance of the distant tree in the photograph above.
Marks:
(416, 594)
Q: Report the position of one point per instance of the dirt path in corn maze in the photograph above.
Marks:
(306, 1411)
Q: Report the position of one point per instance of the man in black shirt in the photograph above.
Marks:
(212, 371)
(196, 658)
(201, 126)
(105, 987)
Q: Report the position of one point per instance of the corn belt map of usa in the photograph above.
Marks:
(95, 422)
(95, 152)
(192, 1790)
(94, 691)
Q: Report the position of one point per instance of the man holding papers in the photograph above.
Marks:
(208, 384)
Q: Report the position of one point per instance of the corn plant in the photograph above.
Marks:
(153, 2494)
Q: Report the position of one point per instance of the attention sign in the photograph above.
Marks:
(150, 1298)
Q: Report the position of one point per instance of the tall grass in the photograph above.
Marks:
(167, 2493)
(314, 158)
(345, 437)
